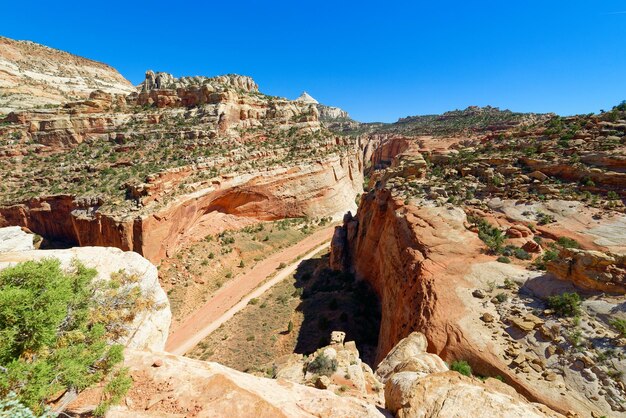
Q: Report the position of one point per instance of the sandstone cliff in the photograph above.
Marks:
(144, 172)
(320, 188)
(33, 75)
(424, 264)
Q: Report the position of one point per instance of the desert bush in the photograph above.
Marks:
(323, 365)
(566, 242)
(521, 254)
(566, 304)
(502, 297)
(544, 218)
(489, 234)
(549, 255)
(619, 325)
(503, 259)
(462, 367)
(55, 327)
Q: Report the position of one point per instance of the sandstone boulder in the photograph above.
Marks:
(410, 355)
(588, 269)
(12, 238)
(451, 394)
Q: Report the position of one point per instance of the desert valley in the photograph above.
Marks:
(193, 247)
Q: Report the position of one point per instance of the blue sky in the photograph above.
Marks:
(377, 60)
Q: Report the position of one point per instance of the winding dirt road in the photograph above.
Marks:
(235, 295)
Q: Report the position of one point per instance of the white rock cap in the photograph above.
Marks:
(306, 98)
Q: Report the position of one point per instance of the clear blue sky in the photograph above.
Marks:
(378, 60)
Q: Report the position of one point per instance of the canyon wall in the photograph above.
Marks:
(419, 261)
(326, 187)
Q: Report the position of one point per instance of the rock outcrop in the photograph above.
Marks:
(167, 385)
(337, 368)
(149, 329)
(327, 114)
(33, 75)
(451, 394)
(418, 384)
(593, 270)
(13, 238)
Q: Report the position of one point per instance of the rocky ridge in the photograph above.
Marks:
(192, 146)
(33, 75)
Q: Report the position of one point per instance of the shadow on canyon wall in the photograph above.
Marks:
(335, 301)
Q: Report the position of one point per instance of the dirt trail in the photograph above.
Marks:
(236, 294)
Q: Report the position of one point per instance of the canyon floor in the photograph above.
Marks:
(237, 293)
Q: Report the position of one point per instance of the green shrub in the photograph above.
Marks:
(549, 255)
(619, 325)
(566, 304)
(55, 327)
(114, 391)
(521, 254)
(11, 407)
(462, 367)
(544, 218)
(489, 234)
(503, 259)
(566, 242)
(509, 284)
(323, 365)
(502, 297)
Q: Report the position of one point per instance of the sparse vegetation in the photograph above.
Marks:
(502, 297)
(619, 325)
(461, 366)
(565, 304)
(566, 242)
(323, 365)
(489, 234)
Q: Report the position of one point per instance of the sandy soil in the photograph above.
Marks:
(236, 294)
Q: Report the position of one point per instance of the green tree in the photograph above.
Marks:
(55, 328)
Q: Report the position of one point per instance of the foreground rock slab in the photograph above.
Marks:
(180, 386)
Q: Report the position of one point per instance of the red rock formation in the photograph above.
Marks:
(323, 188)
(417, 260)
(593, 270)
